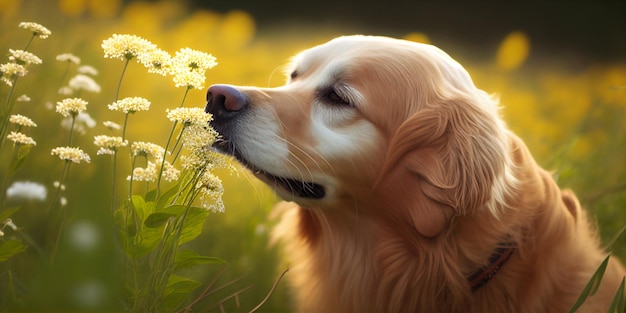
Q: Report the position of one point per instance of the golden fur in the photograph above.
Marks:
(422, 181)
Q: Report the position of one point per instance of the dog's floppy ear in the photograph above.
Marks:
(454, 150)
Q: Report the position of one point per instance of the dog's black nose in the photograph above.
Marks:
(224, 101)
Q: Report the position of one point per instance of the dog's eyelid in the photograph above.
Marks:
(336, 96)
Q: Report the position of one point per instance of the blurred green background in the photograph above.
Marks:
(558, 67)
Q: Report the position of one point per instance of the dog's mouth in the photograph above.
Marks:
(298, 188)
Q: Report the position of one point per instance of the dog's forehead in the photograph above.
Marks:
(341, 47)
(371, 50)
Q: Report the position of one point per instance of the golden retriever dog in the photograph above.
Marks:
(408, 192)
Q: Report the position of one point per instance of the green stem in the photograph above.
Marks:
(178, 140)
(7, 108)
(55, 199)
(30, 41)
(6, 102)
(169, 139)
(59, 217)
(124, 128)
(165, 260)
(113, 182)
(168, 248)
(119, 83)
(67, 70)
(69, 142)
(182, 103)
(130, 260)
(117, 95)
(115, 162)
(133, 159)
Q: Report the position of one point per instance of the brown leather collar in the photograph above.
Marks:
(502, 254)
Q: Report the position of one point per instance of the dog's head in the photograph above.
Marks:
(371, 123)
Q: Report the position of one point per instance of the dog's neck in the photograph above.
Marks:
(439, 269)
(499, 257)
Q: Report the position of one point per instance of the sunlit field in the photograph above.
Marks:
(72, 243)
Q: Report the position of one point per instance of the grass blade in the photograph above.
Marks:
(617, 305)
(592, 286)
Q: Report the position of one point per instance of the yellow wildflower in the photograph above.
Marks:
(187, 59)
(87, 69)
(170, 173)
(112, 125)
(189, 66)
(84, 82)
(23, 57)
(27, 190)
(126, 47)
(151, 171)
(202, 158)
(197, 140)
(189, 79)
(157, 61)
(81, 122)
(21, 120)
(23, 98)
(37, 29)
(211, 191)
(130, 105)
(66, 91)
(189, 116)
(11, 71)
(20, 138)
(147, 174)
(68, 57)
(71, 106)
(142, 148)
(75, 155)
(109, 144)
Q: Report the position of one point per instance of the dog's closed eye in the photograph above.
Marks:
(336, 98)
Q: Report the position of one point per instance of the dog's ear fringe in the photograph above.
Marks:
(457, 150)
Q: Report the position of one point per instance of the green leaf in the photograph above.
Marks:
(616, 237)
(147, 240)
(142, 208)
(173, 301)
(10, 248)
(138, 201)
(165, 198)
(22, 153)
(177, 291)
(4, 214)
(179, 284)
(194, 222)
(188, 258)
(176, 209)
(157, 219)
(138, 240)
(151, 195)
(592, 286)
(617, 305)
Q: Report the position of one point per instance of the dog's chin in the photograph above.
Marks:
(291, 188)
(284, 186)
